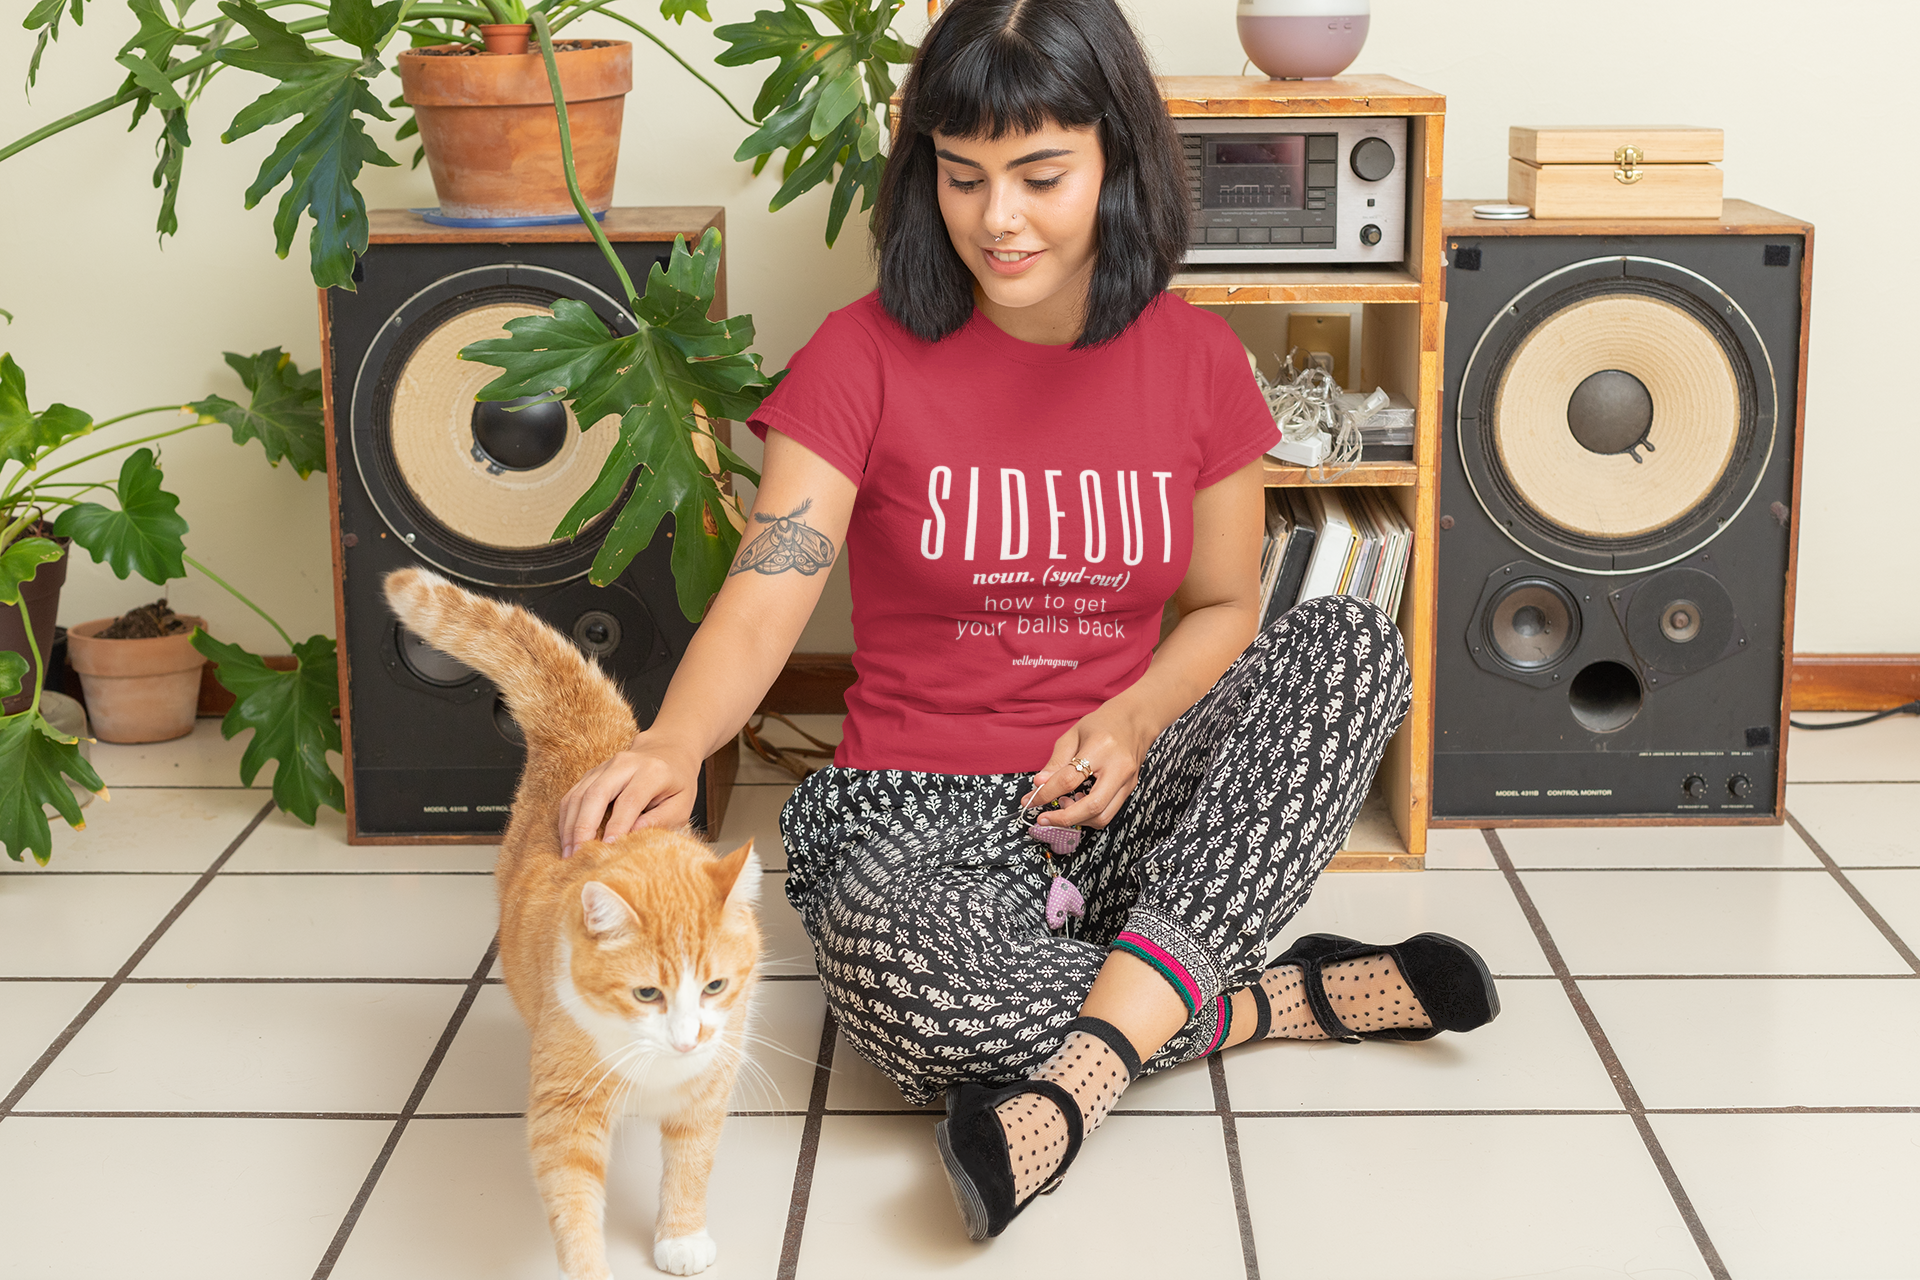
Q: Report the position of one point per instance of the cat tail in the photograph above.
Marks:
(564, 704)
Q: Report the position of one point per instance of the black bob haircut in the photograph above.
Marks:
(989, 68)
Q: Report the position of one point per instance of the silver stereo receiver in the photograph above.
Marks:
(1287, 189)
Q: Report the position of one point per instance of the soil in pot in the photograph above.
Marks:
(490, 132)
(42, 594)
(141, 673)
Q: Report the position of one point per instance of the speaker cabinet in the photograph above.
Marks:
(1619, 470)
(420, 474)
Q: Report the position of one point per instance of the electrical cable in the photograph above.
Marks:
(1910, 709)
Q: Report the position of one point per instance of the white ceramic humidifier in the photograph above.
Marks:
(1303, 39)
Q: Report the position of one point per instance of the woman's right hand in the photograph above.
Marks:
(647, 785)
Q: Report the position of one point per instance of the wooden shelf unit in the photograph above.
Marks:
(1401, 330)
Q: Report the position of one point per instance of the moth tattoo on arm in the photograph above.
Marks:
(786, 544)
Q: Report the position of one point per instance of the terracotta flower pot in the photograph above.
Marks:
(507, 37)
(491, 135)
(42, 594)
(137, 690)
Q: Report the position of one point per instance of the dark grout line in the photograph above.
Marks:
(789, 977)
(1414, 1114)
(135, 871)
(1548, 871)
(113, 984)
(1743, 977)
(54, 872)
(332, 1256)
(1859, 899)
(809, 1153)
(269, 982)
(387, 1116)
(1783, 1111)
(1629, 1096)
(1223, 1107)
(444, 871)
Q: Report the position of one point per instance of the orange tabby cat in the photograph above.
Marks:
(632, 962)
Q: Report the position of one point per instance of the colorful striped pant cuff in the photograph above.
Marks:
(1146, 949)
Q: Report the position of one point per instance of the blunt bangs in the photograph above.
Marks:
(1004, 82)
(990, 68)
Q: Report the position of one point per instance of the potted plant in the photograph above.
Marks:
(140, 672)
(487, 125)
(141, 532)
(824, 103)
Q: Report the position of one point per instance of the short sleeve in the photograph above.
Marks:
(1240, 427)
(831, 397)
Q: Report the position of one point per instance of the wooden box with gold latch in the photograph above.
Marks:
(1615, 171)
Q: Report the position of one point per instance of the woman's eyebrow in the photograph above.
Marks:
(1029, 158)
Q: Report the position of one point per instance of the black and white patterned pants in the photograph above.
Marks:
(924, 896)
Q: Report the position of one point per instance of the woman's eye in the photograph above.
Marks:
(1045, 184)
(963, 187)
(715, 987)
(646, 995)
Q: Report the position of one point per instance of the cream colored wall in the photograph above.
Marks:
(108, 320)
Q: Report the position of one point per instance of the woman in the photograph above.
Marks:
(1027, 447)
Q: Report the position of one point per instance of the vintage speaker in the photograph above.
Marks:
(419, 474)
(1619, 467)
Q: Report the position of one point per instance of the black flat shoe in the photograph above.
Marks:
(1448, 978)
(973, 1148)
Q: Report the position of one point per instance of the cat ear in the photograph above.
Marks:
(736, 877)
(607, 914)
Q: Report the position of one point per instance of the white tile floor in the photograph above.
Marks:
(235, 1047)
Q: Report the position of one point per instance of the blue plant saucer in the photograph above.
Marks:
(440, 219)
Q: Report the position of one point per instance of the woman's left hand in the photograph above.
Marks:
(1113, 743)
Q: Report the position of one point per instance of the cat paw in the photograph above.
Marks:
(685, 1255)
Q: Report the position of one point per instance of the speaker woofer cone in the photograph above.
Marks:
(1616, 415)
(452, 480)
(1532, 624)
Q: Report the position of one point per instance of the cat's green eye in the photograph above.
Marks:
(715, 987)
(646, 995)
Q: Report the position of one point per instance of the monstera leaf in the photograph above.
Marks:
(24, 434)
(825, 101)
(283, 413)
(320, 157)
(679, 9)
(144, 536)
(653, 379)
(35, 758)
(291, 715)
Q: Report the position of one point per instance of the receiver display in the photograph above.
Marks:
(1256, 172)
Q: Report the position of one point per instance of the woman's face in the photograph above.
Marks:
(1037, 193)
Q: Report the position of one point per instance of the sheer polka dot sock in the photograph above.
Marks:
(1367, 994)
(1095, 1064)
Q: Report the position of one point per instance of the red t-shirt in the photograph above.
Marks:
(1024, 514)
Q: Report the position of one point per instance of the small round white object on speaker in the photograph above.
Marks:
(1303, 39)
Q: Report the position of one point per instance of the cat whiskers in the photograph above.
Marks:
(762, 1079)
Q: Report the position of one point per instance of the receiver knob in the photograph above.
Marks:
(1695, 786)
(1739, 786)
(1372, 159)
(1369, 234)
